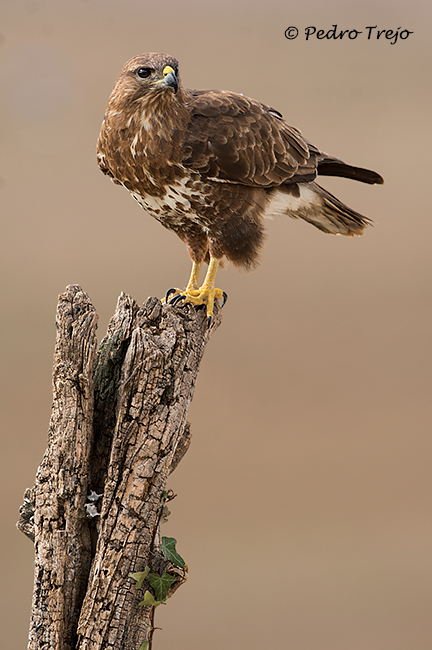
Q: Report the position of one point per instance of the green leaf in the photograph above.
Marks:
(144, 645)
(140, 577)
(149, 600)
(168, 547)
(161, 584)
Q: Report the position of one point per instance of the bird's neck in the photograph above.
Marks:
(149, 135)
(160, 126)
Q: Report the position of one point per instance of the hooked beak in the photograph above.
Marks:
(169, 78)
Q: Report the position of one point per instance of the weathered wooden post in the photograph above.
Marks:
(118, 428)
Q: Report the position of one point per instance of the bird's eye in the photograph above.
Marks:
(143, 73)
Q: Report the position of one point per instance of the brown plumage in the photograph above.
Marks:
(211, 164)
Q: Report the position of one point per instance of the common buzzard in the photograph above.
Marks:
(211, 164)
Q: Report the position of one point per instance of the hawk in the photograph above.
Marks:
(211, 165)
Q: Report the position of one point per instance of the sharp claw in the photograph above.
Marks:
(168, 293)
(209, 321)
(174, 301)
(224, 298)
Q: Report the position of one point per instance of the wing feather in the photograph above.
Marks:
(236, 139)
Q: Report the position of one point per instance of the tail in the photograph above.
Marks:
(314, 204)
(332, 216)
(328, 166)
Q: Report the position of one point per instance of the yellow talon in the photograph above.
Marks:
(207, 293)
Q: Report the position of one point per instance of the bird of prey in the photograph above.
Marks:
(211, 165)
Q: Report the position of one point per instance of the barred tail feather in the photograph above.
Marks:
(336, 217)
(314, 204)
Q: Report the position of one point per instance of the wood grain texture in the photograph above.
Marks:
(118, 428)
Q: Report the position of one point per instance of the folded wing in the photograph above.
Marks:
(232, 138)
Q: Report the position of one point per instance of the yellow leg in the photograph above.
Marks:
(194, 277)
(207, 293)
(204, 295)
(192, 285)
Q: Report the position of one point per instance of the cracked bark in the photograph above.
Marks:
(118, 428)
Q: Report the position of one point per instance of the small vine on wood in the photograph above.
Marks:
(157, 584)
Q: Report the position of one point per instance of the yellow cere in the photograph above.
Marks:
(167, 69)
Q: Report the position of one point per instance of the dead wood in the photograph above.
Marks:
(118, 428)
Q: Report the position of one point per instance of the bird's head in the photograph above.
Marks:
(148, 77)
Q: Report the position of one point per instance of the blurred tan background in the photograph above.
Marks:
(304, 503)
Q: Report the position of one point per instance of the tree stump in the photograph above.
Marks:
(118, 428)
